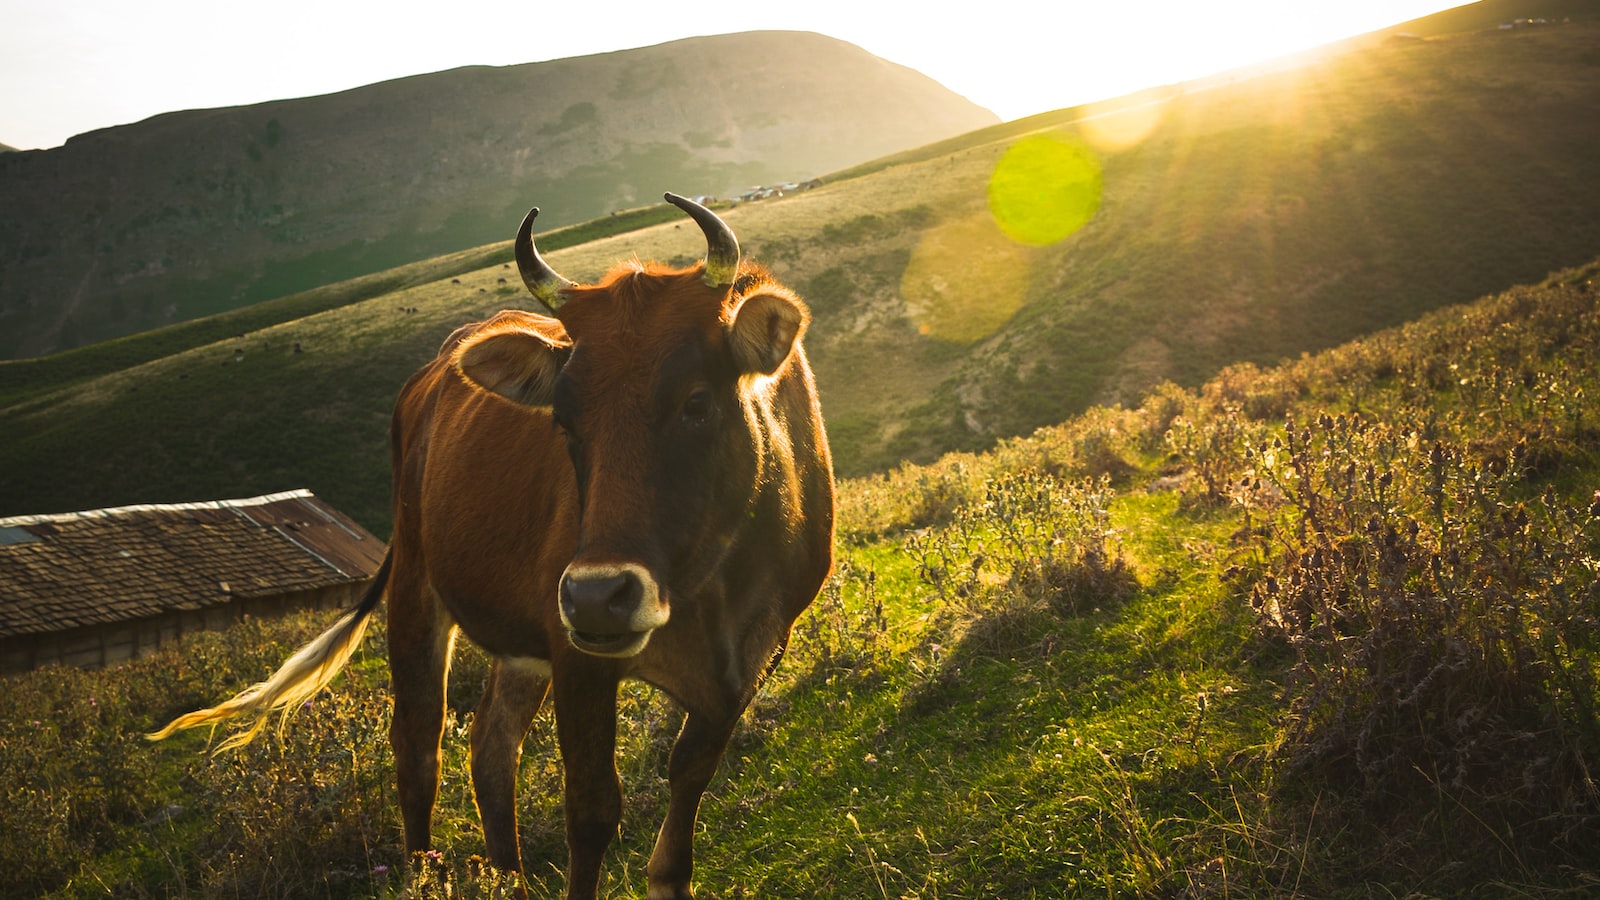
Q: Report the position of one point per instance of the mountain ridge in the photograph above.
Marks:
(1248, 223)
(196, 211)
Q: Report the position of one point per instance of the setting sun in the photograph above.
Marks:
(1097, 51)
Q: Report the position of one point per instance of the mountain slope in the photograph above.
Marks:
(1061, 690)
(194, 212)
(1251, 221)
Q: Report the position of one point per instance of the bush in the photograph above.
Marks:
(1034, 544)
(1444, 628)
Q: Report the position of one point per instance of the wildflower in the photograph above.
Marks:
(380, 869)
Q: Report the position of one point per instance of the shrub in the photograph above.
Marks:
(1034, 544)
(845, 626)
(1210, 441)
(906, 498)
(1443, 627)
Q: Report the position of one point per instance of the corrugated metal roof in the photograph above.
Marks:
(106, 565)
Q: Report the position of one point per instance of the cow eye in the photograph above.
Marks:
(697, 409)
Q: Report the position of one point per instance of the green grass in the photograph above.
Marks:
(1105, 703)
(1046, 670)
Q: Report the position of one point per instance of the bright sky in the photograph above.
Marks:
(75, 65)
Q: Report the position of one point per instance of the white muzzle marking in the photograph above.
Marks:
(632, 633)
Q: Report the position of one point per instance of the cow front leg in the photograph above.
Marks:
(695, 756)
(586, 725)
(510, 701)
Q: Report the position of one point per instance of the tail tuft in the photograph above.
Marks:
(301, 676)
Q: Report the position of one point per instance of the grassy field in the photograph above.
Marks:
(1250, 220)
(1324, 629)
(1226, 625)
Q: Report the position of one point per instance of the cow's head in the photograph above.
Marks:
(661, 382)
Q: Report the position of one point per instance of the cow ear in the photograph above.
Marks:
(765, 329)
(517, 361)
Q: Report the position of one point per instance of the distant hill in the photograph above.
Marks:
(191, 213)
(1487, 14)
(1250, 220)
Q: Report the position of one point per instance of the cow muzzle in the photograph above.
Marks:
(611, 609)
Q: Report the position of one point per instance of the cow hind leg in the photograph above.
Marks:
(420, 643)
(695, 756)
(512, 698)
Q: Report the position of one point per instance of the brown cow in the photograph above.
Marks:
(637, 486)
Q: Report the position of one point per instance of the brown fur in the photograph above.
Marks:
(699, 459)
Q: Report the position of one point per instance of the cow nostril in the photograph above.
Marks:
(625, 598)
(606, 597)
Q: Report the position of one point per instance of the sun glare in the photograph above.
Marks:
(965, 279)
(1110, 127)
(1044, 188)
(967, 276)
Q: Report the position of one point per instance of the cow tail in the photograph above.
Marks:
(299, 679)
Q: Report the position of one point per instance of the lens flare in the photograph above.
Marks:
(1110, 127)
(1044, 188)
(965, 279)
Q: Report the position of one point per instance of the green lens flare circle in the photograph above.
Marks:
(1044, 188)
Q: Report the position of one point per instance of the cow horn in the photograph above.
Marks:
(722, 248)
(544, 283)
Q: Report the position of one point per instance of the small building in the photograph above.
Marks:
(103, 586)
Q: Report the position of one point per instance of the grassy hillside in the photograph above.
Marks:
(195, 212)
(1254, 221)
(1487, 14)
(1250, 220)
(21, 378)
(1324, 629)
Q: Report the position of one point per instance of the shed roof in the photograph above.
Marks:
(100, 566)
